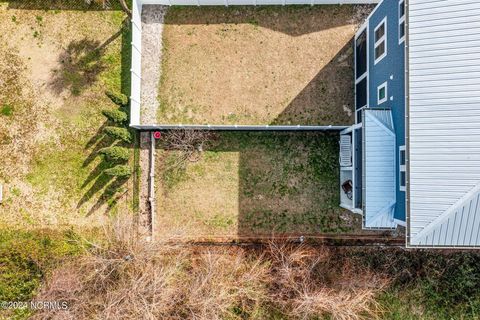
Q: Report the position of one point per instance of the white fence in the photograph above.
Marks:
(136, 70)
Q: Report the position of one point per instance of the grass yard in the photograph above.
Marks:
(258, 65)
(250, 184)
(56, 62)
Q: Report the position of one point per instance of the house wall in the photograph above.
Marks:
(390, 69)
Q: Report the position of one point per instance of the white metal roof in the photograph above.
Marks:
(444, 123)
(379, 173)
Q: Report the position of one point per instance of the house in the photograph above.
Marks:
(412, 158)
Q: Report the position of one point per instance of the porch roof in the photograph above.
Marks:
(379, 173)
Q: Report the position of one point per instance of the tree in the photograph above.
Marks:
(119, 171)
(114, 154)
(115, 116)
(117, 98)
(106, 4)
(187, 144)
(118, 133)
(125, 8)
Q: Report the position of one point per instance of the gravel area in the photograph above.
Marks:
(152, 29)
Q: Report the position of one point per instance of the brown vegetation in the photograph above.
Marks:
(258, 65)
(124, 278)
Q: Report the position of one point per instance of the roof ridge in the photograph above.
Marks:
(374, 118)
(446, 214)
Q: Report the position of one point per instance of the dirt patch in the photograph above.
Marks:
(251, 184)
(258, 65)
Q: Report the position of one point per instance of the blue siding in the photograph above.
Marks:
(393, 64)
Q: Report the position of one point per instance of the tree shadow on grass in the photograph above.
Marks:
(62, 5)
(101, 181)
(99, 135)
(80, 65)
(96, 172)
(110, 196)
(108, 189)
(294, 20)
(104, 142)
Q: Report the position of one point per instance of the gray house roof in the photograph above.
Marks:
(379, 173)
(443, 123)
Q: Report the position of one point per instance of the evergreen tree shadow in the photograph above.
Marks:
(101, 181)
(105, 189)
(105, 141)
(110, 196)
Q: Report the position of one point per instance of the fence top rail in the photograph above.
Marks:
(240, 127)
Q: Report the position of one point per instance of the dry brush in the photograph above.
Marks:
(126, 278)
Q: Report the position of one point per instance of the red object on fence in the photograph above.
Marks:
(157, 134)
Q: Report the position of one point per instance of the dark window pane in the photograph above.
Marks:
(380, 32)
(381, 93)
(403, 179)
(402, 9)
(361, 54)
(361, 92)
(402, 30)
(402, 157)
(380, 49)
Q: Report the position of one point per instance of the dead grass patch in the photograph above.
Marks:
(258, 65)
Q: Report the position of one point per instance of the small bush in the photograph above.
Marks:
(114, 154)
(6, 110)
(115, 116)
(118, 133)
(117, 98)
(121, 171)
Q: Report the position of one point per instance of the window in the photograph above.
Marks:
(382, 93)
(401, 21)
(380, 35)
(402, 162)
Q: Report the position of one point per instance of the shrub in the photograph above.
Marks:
(6, 110)
(117, 98)
(114, 154)
(121, 171)
(116, 116)
(26, 256)
(118, 133)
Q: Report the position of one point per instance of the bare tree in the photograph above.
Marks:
(187, 144)
(125, 8)
(106, 4)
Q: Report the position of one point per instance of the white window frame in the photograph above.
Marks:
(379, 41)
(401, 20)
(383, 85)
(403, 168)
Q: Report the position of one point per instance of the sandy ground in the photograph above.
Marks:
(152, 34)
(49, 112)
(259, 65)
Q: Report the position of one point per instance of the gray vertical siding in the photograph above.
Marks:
(444, 122)
(379, 175)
